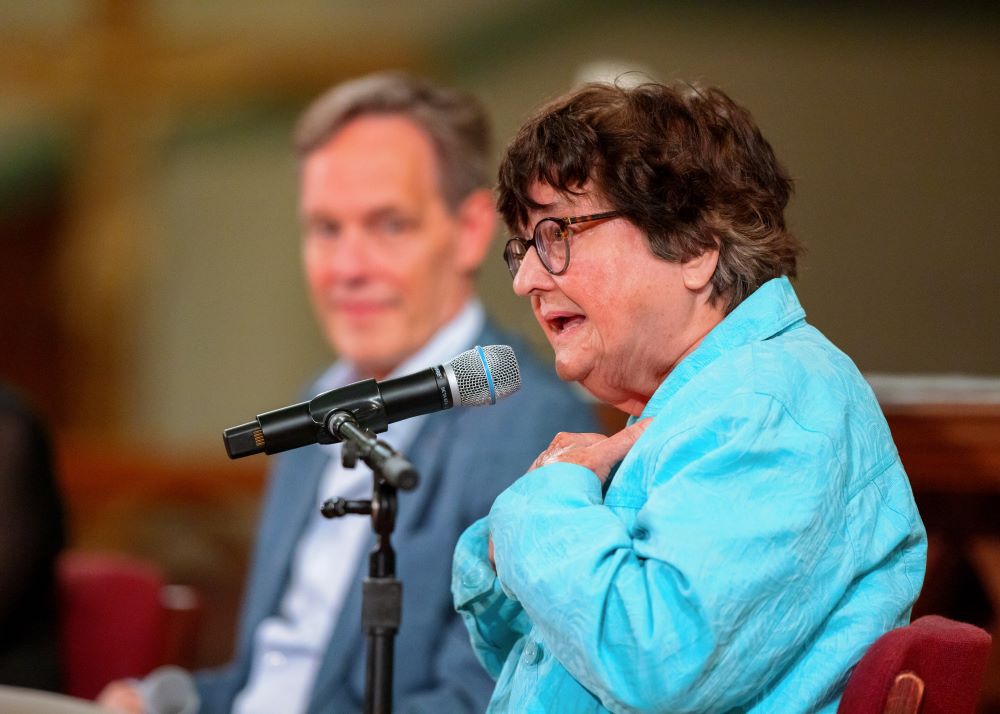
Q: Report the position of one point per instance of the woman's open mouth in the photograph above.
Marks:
(561, 322)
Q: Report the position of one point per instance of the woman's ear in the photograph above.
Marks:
(698, 271)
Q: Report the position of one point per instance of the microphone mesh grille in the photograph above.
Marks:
(473, 384)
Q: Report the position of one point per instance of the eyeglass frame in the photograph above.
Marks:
(564, 223)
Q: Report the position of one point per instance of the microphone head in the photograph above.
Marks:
(169, 690)
(483, 375)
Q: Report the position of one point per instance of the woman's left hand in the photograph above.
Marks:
(596, 452)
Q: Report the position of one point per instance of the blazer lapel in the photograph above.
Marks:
(295, 503)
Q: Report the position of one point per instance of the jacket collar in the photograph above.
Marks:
(768, 311)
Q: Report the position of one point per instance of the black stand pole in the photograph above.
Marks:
(382, 594)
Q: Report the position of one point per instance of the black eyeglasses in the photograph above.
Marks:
(551, 241)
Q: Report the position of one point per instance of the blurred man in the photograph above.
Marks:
(34, 533)
(396, 220)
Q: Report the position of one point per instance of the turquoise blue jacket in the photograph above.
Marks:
(759, 536)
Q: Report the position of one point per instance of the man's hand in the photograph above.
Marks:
(593, 451)
(122, 697)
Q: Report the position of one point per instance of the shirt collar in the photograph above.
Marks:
(457, 335)
(769, 310)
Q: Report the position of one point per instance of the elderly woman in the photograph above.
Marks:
(752, 532)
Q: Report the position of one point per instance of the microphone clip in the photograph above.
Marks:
(359, 442)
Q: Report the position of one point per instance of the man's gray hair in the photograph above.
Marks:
(455, 122)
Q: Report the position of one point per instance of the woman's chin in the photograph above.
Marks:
(608, 388)
(569, 368)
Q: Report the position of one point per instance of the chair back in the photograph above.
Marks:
(932, 666)
(118, 619)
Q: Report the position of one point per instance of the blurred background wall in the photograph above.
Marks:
(144, 157)
(149, 266)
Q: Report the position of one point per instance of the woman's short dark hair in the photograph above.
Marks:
(454, 120)
(686, 164)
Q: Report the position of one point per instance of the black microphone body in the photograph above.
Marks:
(476, 377)
(373, 404)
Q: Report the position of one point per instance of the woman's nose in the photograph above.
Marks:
(532, 275)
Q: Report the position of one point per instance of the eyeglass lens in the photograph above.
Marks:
(514, 254)
(553, 246)
(550, 241)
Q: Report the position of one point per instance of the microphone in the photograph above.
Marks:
(476, 377)
(168, 690)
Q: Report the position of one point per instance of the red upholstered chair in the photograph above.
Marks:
(932, 666)
(120, 618)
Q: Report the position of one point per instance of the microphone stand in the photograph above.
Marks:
(382, 593)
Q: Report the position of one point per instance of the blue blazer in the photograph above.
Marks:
(465, 457)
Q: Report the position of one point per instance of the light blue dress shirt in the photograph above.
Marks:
(758, 537)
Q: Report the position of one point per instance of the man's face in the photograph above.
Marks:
(382, 250)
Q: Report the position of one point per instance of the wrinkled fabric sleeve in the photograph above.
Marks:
(494, 621)
(735, 555)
